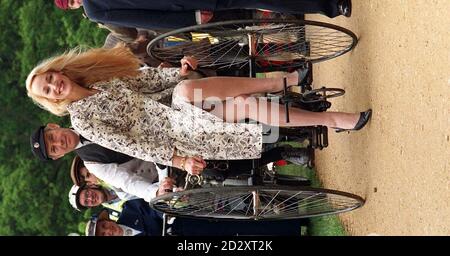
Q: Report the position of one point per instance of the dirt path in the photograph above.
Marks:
(401, 161)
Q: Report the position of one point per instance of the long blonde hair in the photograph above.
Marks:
(84, 68)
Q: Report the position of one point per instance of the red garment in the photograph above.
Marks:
(280, 163)
(62, 4)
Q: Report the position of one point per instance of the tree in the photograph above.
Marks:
(33, 195)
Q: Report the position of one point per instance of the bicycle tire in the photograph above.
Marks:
(234, 203)
(320, 94)
(220, 45)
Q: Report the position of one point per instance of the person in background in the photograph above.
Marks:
(80, 174)
(177, 14)
(139, 219)
(89, 196)
(138, 45)
(133, 176)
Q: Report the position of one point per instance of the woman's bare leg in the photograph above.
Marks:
(223, 87)
(274, 114)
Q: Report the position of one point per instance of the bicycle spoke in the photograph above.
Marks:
(273, 198)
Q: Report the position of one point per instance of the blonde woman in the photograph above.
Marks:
(114, 104)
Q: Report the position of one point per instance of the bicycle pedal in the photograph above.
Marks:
(319, 137)
(309, 77)
(319, 140)
(324, 136)
(313, 140)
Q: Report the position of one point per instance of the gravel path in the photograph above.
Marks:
(401, 161)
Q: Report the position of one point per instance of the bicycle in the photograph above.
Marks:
(259, 194)
(254, 45)
(260, 46)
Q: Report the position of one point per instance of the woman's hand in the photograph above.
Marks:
(186, 63)
(166, 186)
(194, 165)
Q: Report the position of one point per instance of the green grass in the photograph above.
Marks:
(318, 226)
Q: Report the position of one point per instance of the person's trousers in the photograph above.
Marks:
(326, 7)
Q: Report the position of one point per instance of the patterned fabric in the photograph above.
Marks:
(132, 116)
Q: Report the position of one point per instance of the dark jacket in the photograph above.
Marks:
(96, 153)
(138, 215)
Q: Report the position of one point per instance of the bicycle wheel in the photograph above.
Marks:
(256, 203)
(321, 94)
(273, 44)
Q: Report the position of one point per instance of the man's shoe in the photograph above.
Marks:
(345, 7)
(297, 156)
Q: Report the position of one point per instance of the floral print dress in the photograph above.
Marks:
(133, 116)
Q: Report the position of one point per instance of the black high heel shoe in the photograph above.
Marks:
(363, 120)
